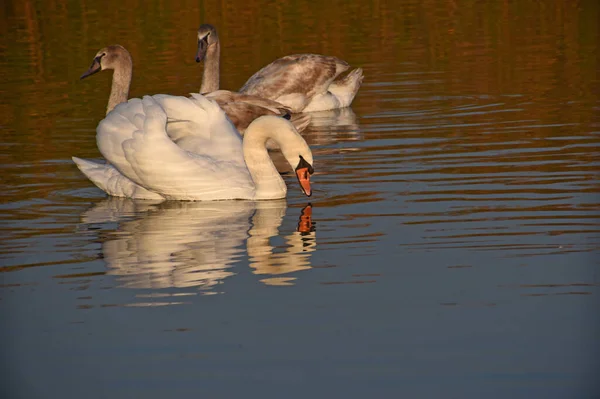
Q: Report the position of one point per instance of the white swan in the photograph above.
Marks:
(301, 82)
(144, 162)
(241, 108)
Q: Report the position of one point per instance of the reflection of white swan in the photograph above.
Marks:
(115, 209)
(195, 244)
(334, 126)
(297, 249)
(342, 118)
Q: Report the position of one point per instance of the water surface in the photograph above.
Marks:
(450, 248)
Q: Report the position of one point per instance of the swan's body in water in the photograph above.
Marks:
(240, 108)
(301, 82)
(146, 163)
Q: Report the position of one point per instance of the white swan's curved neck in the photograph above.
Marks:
(210, 75)
(268, 182)
(119, 92)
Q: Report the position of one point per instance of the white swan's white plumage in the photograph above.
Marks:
(163, 167)
(200, 126)
(147, 158)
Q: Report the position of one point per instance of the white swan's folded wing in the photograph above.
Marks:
(198, 125)
(185, 119)
(223, 135)
(119, 126)
(164, 167)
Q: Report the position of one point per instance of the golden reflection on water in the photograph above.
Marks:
(476, 127)
(196, 244)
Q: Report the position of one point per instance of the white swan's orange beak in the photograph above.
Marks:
(304, 180)
(303, 172)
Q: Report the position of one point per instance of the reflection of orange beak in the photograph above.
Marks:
(304, 180)
(305, 223)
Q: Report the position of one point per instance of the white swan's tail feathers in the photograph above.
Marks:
(109, 180)
(345, 89)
